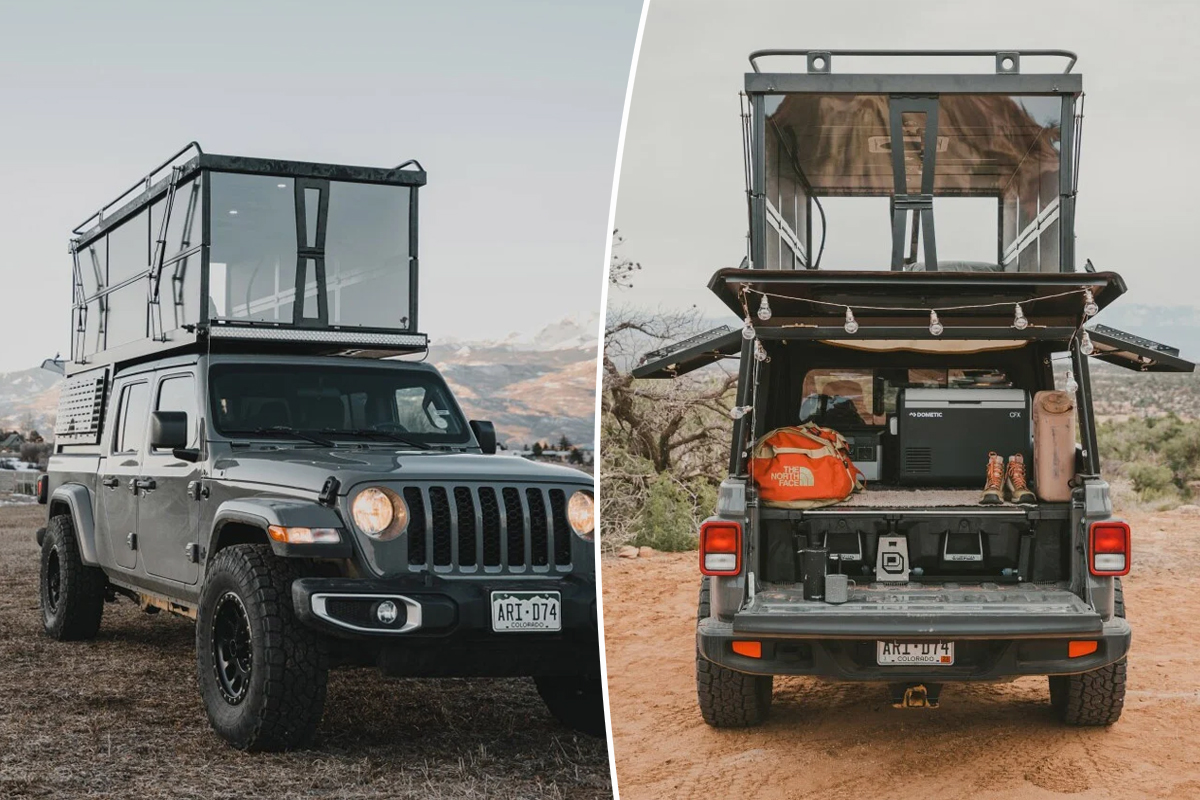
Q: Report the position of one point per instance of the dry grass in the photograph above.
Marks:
(121, 717)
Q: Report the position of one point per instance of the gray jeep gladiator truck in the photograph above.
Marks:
(930, 370)
(234, 446)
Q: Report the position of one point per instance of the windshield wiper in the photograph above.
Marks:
(378, 434)
(285, 430)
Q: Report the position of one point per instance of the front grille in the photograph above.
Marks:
(470, 528)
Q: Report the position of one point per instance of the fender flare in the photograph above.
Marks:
(289, 512)
(78, 500)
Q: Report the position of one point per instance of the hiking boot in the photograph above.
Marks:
(1015, 485)
(994, 488)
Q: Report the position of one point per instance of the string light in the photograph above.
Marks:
(851, 325)
(1090, 309)
(935, 325)
(1019, 320)
(1085, 344)
(1071, 385)
(760, 352)
(737, 412)
(748, 329)
(764, 309)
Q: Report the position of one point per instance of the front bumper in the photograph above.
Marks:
(445, 627)
(984, 656)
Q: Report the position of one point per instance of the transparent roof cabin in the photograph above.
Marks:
(245, 252)
(986, 159)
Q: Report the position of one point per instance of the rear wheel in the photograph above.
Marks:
(72, 593)
(1096, 697)
(728, 698)
(262, 673)
(575, 701)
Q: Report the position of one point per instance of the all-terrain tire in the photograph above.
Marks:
(72, 593)
(262, 673)
(728, 698)
(1096, 697)
(575, 701)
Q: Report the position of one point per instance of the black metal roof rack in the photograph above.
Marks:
(1007, 61)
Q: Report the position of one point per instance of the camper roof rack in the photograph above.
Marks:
(250, 252)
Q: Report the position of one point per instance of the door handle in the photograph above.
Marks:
(148, 484)
(111, 482)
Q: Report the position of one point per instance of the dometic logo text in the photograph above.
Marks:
(934, 414)
(794, 476)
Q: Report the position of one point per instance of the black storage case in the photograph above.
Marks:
(944, 435)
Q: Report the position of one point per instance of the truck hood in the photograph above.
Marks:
(308, 468)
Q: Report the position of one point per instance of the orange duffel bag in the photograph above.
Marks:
(804, 466)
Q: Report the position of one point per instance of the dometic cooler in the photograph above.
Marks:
(944, 435)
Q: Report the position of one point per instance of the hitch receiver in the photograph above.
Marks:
(916, 695)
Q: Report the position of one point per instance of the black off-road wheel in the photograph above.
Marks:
(575, 701)
(262, 673)
(1092, 698)
(728, 698)
(72, 593)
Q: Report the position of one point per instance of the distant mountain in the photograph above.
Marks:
(534, 388)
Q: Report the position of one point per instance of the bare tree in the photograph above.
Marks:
(621, 269)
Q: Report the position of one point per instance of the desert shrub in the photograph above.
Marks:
(666, 520)
(1158, 456)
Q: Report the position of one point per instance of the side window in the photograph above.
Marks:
(131, 424)
(178, 393)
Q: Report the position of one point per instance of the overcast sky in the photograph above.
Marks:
(681, 203)
(513, 107)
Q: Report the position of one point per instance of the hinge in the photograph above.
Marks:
(197, 490)
(329, 491)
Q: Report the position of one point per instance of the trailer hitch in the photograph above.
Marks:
(916, 695)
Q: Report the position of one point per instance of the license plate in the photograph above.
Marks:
(937, 654)
(526, 611)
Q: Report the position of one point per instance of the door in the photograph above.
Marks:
(118, 498)
(168, 518)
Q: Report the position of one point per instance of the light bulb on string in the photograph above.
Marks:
(1070, 385)
(760, 352)
(748, 329)
(764, 309)
(1090, 309)
(935, 325)
(1085, 344)
(1019, 320)
(851, 325)
(737, 412)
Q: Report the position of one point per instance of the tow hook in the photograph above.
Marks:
(916, 695)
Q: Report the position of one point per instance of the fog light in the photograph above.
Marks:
(386, 612)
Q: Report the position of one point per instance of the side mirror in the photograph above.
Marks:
(168, 430)
(485, 434)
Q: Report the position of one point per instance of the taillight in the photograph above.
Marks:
(43, 488)
(1108, 548)
(720, 548)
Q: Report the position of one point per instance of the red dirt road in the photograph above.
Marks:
(846, 741)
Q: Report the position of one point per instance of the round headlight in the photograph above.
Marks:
(376, 511)
(581, 513)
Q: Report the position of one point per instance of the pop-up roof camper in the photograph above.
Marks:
(231, 251)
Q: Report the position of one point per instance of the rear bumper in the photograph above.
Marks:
(1006, 650)
(445, 627)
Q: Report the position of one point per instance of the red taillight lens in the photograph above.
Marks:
(1109, 548)
(720, 548)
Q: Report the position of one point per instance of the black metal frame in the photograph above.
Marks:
(908, 93)
(191, 162)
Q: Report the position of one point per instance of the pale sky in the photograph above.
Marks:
(513, 107)
(681, 203)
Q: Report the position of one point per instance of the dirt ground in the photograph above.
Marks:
(121, 717)
(840, 741)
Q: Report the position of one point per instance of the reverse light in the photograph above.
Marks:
(720, 548)
(1109, 548)
(297, 535)
(581, 513)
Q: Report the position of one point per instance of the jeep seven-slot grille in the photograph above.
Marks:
(474, 528)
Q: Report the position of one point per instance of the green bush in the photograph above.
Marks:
(666, 521)
(1159, 456)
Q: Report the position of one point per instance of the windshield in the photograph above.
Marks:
(370, 404)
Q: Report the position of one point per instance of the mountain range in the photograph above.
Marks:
(537, 387)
